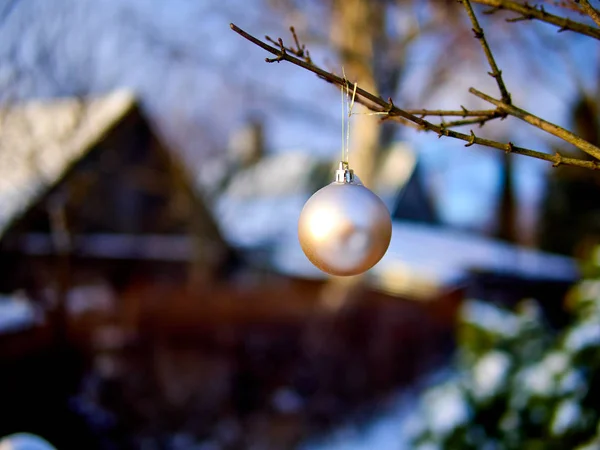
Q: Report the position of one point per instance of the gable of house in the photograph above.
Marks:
(94, 171)
(40, 140)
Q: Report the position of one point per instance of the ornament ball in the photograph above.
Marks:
(344, 228)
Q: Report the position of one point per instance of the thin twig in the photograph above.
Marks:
(402, 121)
(542, 124)
(565, 4)
(300, 51)
(379, 105)
(481, 121)
(479, 34)
(590, 10)
(458, 113)
(529, 12)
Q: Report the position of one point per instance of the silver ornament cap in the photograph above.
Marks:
(344, 228)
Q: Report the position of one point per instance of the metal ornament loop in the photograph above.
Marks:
(344, 174)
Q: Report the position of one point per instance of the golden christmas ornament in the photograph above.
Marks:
(344, 228)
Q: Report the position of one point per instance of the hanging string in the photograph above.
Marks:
(349, 110)
(343, 124)
(347, 106)
(350, 100)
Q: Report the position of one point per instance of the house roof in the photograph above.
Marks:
(17, 313)
(283, 182)
(259, 211)
(40, 140)
(421, 259)
(299, 173)
(277, 175)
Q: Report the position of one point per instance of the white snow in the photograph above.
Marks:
(543, 378)
(278, 175)
(489, 317)
(589, 289)
(566, 415)
(17, 313)
(392, 429)
(572, 382)
(420, 257)
(400, 419)
(40, 140)
(583, 336)
(24, 441)
(259, 222)
(556, 362)
(489, 373)
(446, 408)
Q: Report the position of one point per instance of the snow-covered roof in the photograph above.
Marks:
(421, 258)
(40, 140)
(279, 185)
(17, 313)
(259, 211)
(297, 172)
(282, 174)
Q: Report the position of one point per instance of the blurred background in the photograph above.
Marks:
(153, 293)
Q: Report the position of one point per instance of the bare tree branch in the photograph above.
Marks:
(464, 112)
(542, 124)
(481, 121)
(479, 34)
(479, 117)
(590, 10)
(528, 12)
(379, 105)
